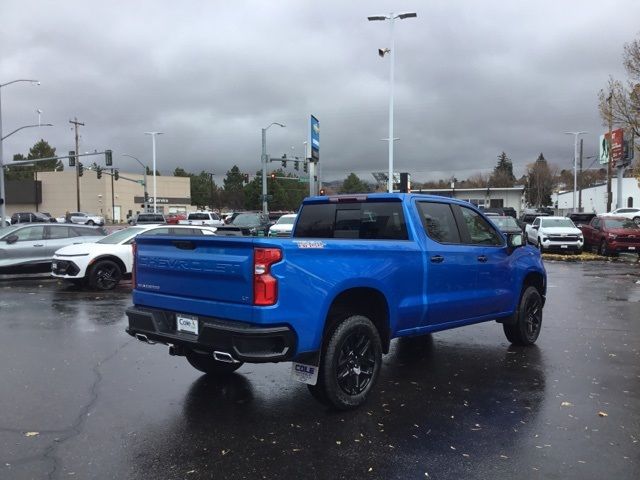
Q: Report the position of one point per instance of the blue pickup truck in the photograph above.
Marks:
(357, 272)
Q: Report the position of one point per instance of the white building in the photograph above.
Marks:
(594, 199)
(493, 197)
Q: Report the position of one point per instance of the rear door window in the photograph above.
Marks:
(439, 222)
(366, 220)
(54, 233)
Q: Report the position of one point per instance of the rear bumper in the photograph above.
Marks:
(244, 342)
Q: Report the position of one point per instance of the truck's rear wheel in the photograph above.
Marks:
(350, 365)
(526, 329)
(208, 364)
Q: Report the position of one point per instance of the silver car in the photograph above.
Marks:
(30, 247)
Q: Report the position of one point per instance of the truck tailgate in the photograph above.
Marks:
(205, 268)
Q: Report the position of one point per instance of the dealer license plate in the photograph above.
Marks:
(186, 323)
(54, 265)
(632, 248)
(563, 246)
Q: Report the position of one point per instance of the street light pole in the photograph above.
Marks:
(391, 51)
(144, 169)
(3, 199)
(153, 144)
(576, 135)
(265, 208)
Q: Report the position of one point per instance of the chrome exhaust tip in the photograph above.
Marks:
(143, 338)
(224, 357)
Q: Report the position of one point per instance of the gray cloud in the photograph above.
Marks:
(472, 79)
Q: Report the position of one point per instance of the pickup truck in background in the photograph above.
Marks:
(612, 235)
(358, 272)
(555, 233)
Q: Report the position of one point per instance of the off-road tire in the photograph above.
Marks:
(350, 363)
(209, 365)
(105, 275)
(526, 329)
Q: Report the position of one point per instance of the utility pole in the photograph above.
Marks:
(76, 123)
(113, 201)
(580, 180)
(609, 143)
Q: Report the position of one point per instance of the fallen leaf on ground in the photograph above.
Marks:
(566, 404)
(603, 414)
(31, 434)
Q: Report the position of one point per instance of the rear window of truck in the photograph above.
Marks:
(366, 220)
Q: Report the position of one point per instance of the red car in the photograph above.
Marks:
(612, 235)
(174, 218)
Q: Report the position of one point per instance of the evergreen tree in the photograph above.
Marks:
(503, 172)
(540, 183)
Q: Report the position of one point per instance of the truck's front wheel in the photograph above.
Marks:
(528, 322)
(350, 365)
(208, 364)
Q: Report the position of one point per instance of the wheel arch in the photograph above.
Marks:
(367, 301)
(113, 258)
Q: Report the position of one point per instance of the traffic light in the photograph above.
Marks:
(273, 176)
(72, 158)
(116, 175)
(306, 167)
(80, 169)
(146, 197)
(284, 164)
(322, 191)
(296, 166)
(98, 172)
(108, 158)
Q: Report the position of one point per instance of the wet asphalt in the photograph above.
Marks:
(81, 399)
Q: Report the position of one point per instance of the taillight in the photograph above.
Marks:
(134, 251)
(265, 287)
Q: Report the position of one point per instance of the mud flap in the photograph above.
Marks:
(305, 368)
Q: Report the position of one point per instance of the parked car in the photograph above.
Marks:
(358, 272)
(49, 216)
(82, 218)
(247, 224)
(102, 264)
(612, 235)
(284, 226)
(174, 218)
(30, 247)
(29, 217)
(506, 224)
(581, 218)
(510, 211)
(202, 218)
(148, 219)
(527, 218)
(555, 233)
(630, 213)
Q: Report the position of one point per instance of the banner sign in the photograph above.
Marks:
(165, 200)
(617, 147)
(315, 138)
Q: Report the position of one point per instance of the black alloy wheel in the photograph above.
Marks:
(350, 364)
(528, 322)
(356, 363)
(105, 275)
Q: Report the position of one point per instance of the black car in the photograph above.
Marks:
(583, 218)
(528, 218)
(30, 217)
(506, 224)
(247, 224)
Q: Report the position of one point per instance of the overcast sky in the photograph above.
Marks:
(472, 79)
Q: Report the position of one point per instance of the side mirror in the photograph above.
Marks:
(535, 227)
(11, 239)
(514, 240)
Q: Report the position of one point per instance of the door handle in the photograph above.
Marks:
(38, 245)
(437, 259)
(482, 259)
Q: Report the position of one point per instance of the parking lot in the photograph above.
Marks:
(81, 399)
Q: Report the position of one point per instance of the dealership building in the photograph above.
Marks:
(55, 193)
(490, 197)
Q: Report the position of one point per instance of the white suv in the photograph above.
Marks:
(82, 218)
(104, 263)
(203, 218)
(555, 233)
